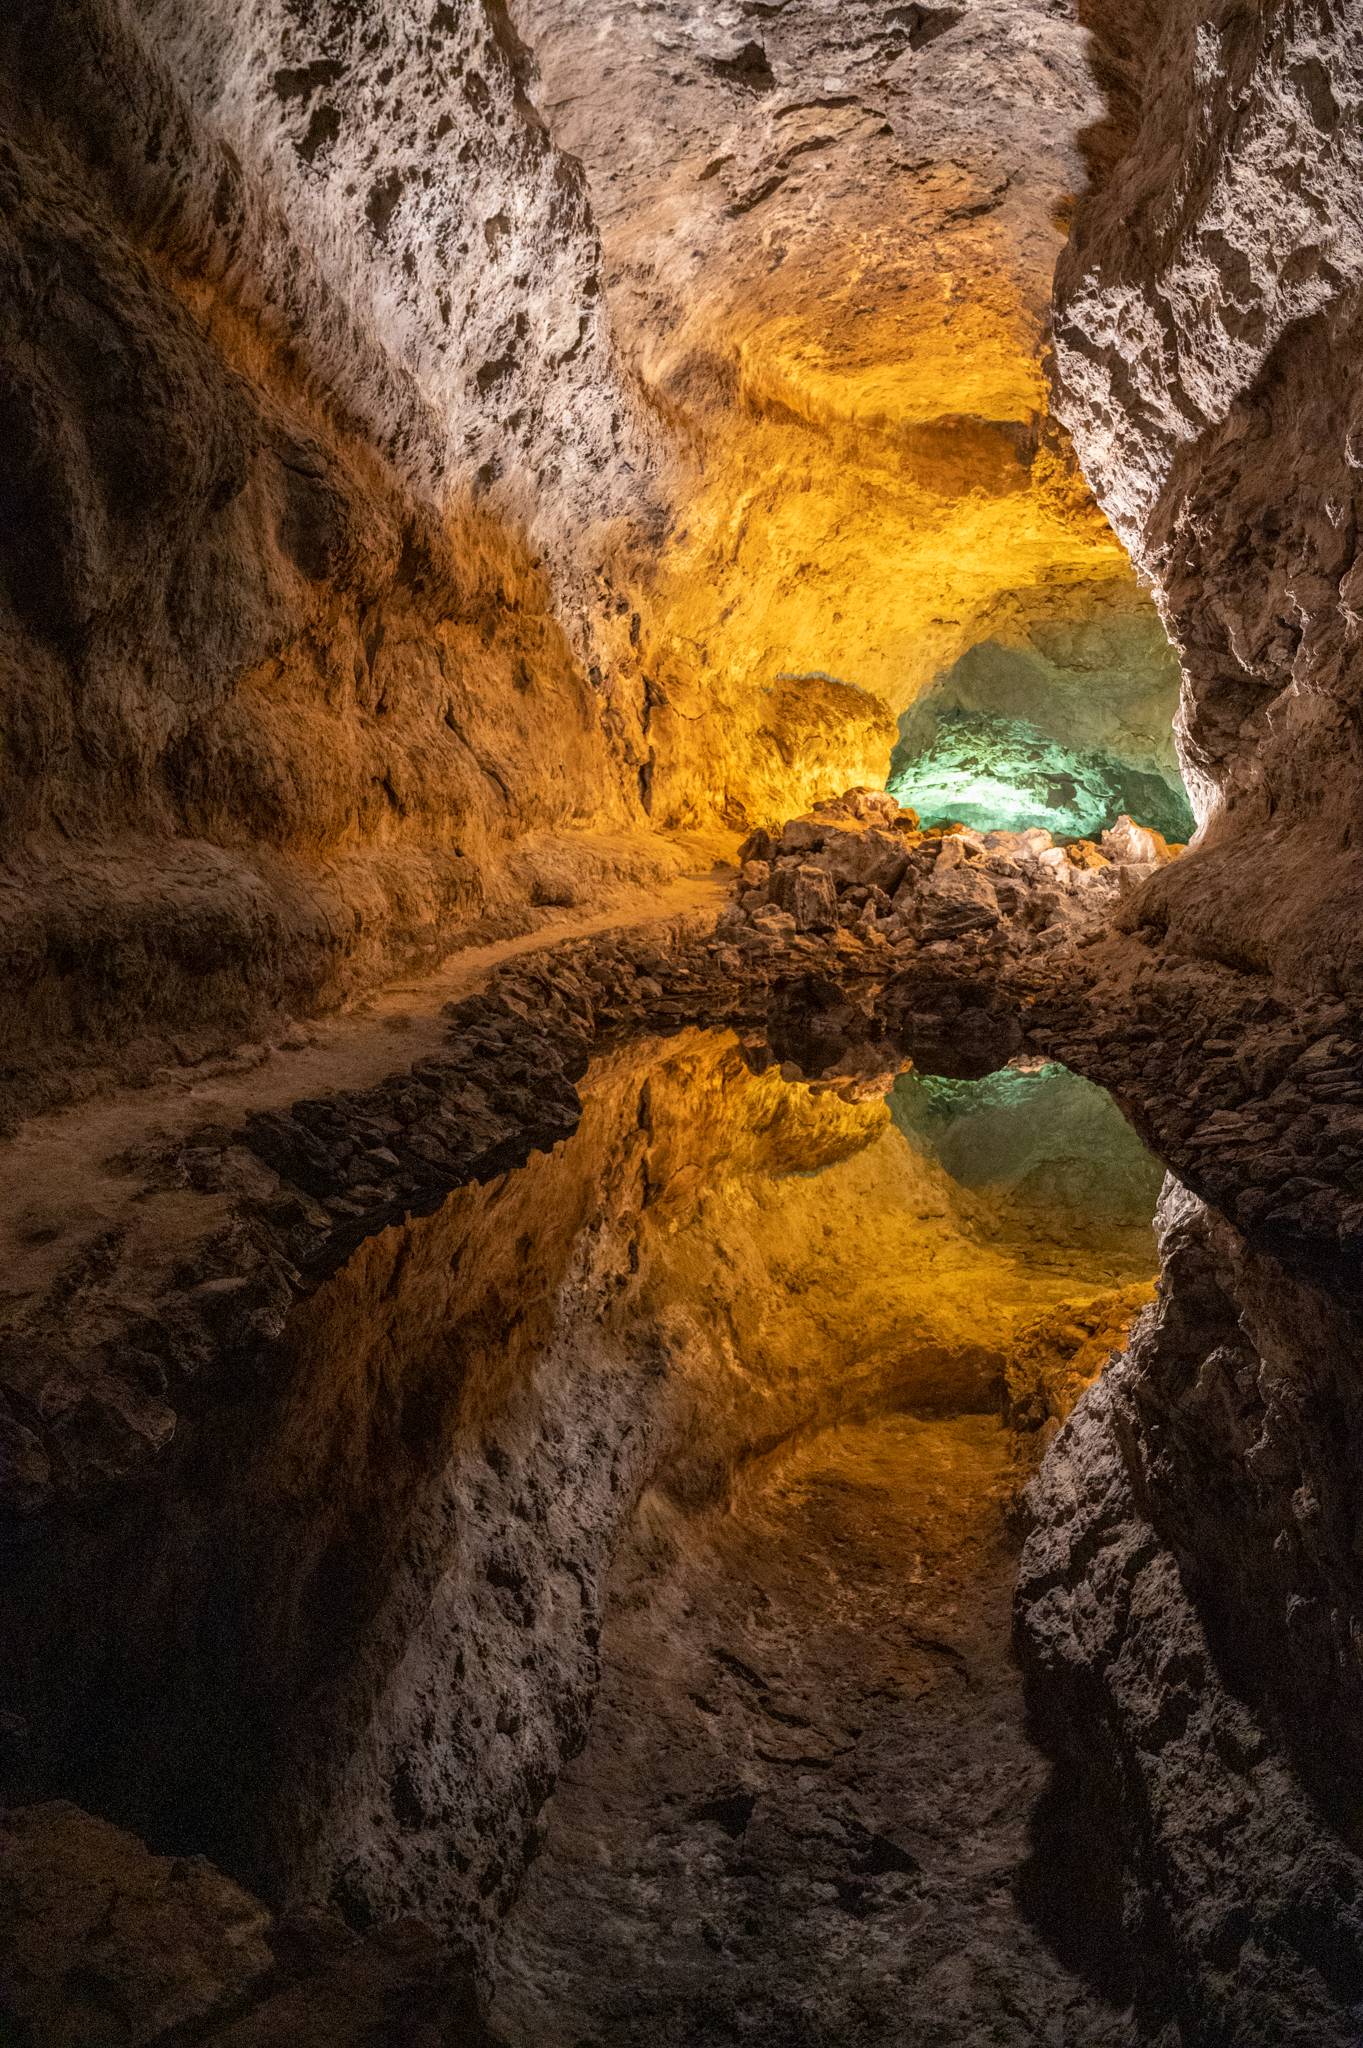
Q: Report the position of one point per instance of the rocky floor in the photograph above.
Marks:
(804, 1807)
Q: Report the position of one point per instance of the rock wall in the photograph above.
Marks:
(1188, 1597)
(390, 554)
(287, 701)
(1187, 1612)
(1062, 722)
(106, 1942)
(322, 1431)
(1205, 344)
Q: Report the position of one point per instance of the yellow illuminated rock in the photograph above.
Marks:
(834, 297)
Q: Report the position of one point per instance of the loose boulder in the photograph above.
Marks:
(956, 901)
(1134, 845)
(873, 860)
(808, 894)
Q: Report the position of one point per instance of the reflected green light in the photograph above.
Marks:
(1042, 1135)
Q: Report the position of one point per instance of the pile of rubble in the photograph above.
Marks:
(858, 869)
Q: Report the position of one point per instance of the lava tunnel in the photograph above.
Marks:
(681, 1117)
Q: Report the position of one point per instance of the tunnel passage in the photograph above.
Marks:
(1063, 722)
(374, 590)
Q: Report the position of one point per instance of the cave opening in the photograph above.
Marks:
(1068, 729)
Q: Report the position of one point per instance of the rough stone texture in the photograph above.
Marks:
(124, 1325)
(1188, 1597)
(1057, 1357)
(859, 861)
(1205, 344)
(827, 239)
(1206, 350)
(1188, 1600)
(1105, 681)
(388, 556)
(802, 1809)
(105, 1943)
(128, 1318)
(1192, 1657)
(286, 700)
(102, 1940)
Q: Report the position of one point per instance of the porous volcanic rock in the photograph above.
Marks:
(827, 241)
(1206, 354)
(1191, 1655)
(104, 1942)
(1187, 1601)
(288, 703)
(465, 462)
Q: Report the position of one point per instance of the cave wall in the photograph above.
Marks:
(1206, 343)
(1188, 1597)
(288, 697)
(1187, 1609)
(407, 528)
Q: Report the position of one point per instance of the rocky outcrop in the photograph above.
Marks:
(396, 547)
(1205, 346)
(1057, 1358)
(804, 1793)
(433, 500)
(226, 1225)
(1192, 1659)
(1187, 1600)
(105, 1942)
(1051, 720)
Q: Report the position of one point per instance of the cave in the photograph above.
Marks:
(681, 1157)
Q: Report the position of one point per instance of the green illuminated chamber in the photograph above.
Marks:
(1046, 1145)
(1064, 722)
(1004, 774)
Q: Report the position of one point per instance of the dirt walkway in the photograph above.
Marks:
(61, 1180)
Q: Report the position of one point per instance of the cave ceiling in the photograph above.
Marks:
(828, 265)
